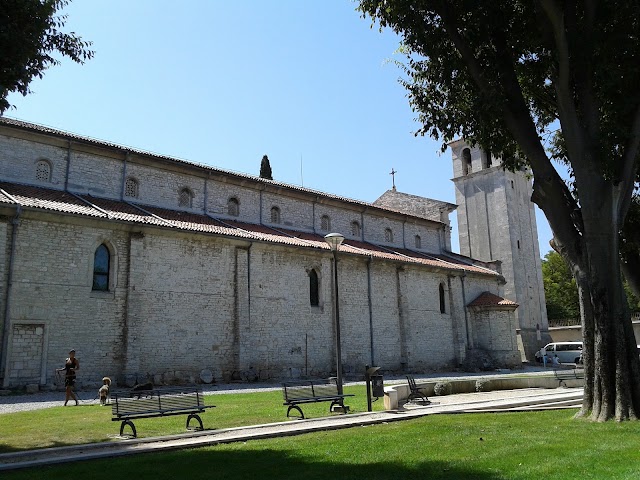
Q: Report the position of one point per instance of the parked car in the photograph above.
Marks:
(568, 352)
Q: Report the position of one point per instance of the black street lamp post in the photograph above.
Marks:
(334, 240)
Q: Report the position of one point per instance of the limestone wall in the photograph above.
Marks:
(162, 188)
(295, 213)
(524, 269)
(100, 171)
(284, 336)
(179, 303)
(180, 306)
(429, 333)
(99, 176)
(52, 282)
(27, 347)
(5, 244)
(18, 158)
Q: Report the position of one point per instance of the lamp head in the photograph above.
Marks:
(334, 240)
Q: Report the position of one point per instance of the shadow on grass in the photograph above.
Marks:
(251, 464)
(4, 448)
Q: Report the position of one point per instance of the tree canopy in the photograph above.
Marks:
(30, 36)
(561, 291)
(265, 168)
(506, 75)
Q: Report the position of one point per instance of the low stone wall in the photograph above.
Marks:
(396, 395)
(573, 333)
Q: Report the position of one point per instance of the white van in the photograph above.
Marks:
(568, 352)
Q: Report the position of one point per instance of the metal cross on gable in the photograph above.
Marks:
(393, 177)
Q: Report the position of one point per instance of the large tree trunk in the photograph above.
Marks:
(588, 328)
(610, 356)
(612, 368)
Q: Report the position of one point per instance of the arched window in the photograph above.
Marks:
(185, 199)
(355, 229)
(131, 188)
(233, 207)
(487, 159)
(43, 171)
(275, 215)
(101, 261)
(325, 223)
(441, 294)
(418, 241)
(388, 235)
(314, 291)
(466, 161)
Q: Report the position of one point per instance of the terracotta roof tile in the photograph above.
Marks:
(414, 205)
(86, 205)
(45, 199)
(488, 299)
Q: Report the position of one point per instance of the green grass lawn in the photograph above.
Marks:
(59, 426)
(537, 445)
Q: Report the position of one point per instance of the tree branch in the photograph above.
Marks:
(550, 191)
(568, 115)
(580, 42)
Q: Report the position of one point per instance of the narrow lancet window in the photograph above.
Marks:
(101, 260)
(325, 223)
(275, 215)
(314, 293)
(233, 207)
(466, 161)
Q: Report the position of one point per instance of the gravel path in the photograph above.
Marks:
(35, 401)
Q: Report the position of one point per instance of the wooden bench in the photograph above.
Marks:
(310, 391)
(129, 405)
(414, 391)
(563, 375)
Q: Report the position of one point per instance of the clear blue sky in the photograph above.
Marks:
(225, 82)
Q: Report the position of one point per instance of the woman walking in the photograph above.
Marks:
(71, 364)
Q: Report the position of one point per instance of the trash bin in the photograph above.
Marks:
(377, 386)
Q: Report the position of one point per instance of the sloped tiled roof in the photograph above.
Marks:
(488, 299)
(414, 205)
(37, 198)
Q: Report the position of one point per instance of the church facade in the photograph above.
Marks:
(154, 268)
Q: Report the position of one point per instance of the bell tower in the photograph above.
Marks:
(496, 221)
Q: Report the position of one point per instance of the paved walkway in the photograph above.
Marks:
(35, 401)
(522, 399)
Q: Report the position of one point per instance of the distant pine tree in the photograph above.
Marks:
(265, 168)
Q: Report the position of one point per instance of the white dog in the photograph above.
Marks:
(103, 392)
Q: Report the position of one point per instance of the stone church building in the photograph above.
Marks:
(157, 268)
